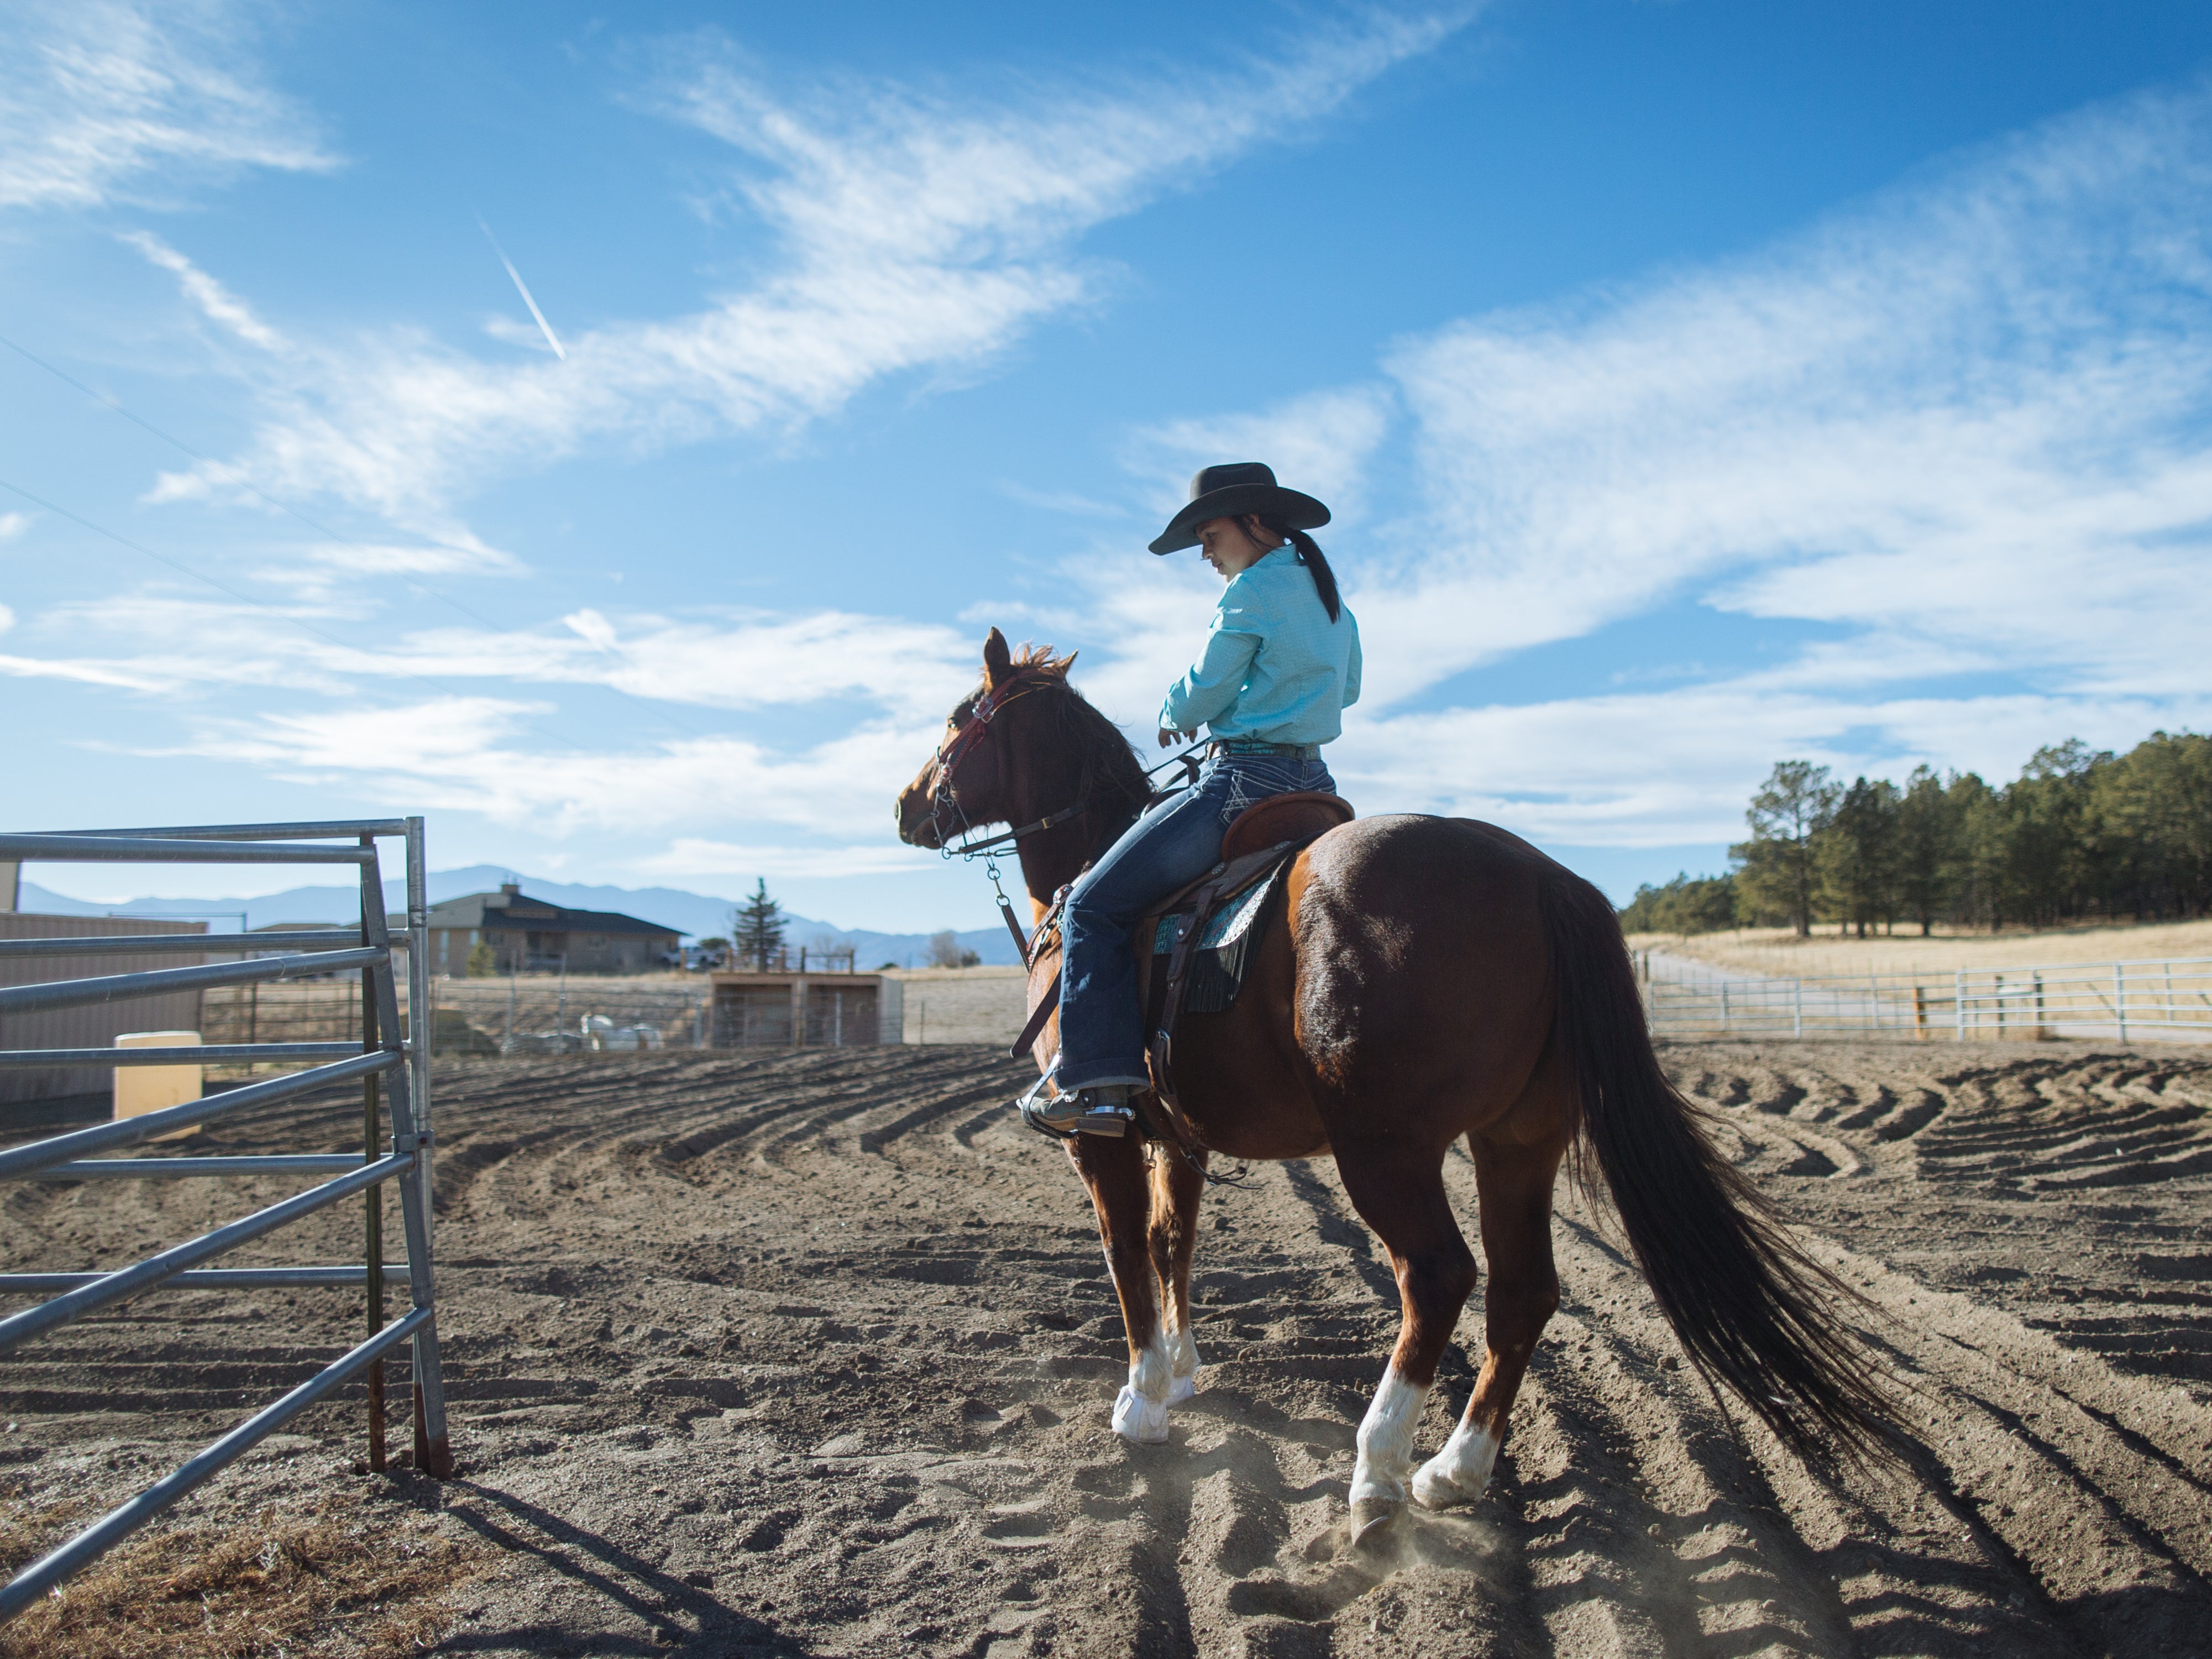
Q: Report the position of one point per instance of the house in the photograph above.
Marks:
(529, 936)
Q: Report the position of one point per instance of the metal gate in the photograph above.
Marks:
(400, 1064)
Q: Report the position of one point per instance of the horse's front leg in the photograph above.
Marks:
(1114, 1172)
(1176, 1190)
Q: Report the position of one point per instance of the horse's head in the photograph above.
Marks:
(976, 774)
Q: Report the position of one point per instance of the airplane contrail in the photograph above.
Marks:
(523, 289)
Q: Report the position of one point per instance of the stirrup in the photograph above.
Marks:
(1065, 1116)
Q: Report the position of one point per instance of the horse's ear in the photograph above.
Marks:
(998, 660)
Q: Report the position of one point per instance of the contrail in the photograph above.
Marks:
(523, 289)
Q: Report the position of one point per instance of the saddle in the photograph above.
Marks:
(1194, 947)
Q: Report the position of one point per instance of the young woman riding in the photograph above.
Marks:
(1281, 663)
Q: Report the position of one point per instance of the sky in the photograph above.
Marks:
(611, 433)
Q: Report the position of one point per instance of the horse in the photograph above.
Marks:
(1431, 978)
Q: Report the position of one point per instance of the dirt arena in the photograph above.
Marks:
(813, 1353)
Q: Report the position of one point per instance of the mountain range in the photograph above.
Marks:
(697, 915)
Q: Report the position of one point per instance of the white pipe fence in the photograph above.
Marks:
(2160, 1001)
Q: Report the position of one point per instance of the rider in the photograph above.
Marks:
(1281, 663)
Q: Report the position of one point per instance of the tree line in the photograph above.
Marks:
(2079, 834)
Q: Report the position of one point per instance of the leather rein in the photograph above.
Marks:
(950, 752)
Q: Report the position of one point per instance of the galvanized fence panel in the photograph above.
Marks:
(369, 1041)
(2161, 1000)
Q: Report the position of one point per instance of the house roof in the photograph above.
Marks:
(503, 909)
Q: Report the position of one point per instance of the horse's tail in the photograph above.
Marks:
(1748, 1304)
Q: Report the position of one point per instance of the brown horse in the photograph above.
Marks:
(1436, 977)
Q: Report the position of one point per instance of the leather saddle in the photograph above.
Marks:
(1259, 845)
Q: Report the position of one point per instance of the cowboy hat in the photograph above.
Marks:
(1229, 491)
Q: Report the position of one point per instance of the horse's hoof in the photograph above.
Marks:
(1459, 1475)
(1139, 1421)
(1371, 1518)
(1182, 1389)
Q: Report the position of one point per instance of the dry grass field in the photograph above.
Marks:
(1777, 951)
(812, 1353)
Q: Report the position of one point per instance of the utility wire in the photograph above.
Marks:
(178, 444)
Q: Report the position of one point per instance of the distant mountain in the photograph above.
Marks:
(697, 915)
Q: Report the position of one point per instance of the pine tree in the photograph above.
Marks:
(1857, 854)
(1927, 849)
(1789, 813)
(756, 926)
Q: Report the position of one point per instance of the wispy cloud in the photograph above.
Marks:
(215, 301)
(1968, 423)
(100, 98)
(913, 233)
(13, 524)
(904, 672)
(1972, 412)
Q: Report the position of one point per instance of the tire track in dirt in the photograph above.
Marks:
(814, 1350)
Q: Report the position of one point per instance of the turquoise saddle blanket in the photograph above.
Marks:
(1226, 949)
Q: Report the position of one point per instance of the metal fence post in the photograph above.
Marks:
(2120, 998)
(372, 1128)
(433, 1451)
(1797, 1007)
(1959, 1004)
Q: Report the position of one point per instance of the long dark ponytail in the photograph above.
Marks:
(1309, 555)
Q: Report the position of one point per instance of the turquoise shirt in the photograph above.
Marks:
(1274, 668)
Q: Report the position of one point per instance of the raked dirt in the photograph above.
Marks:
(814, 1354)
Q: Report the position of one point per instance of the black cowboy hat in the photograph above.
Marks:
(1229, 491)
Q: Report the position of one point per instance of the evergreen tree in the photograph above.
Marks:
(1927, 872)
(757, 927)
(1686, 905)
(1857, 854)
(1790, 810)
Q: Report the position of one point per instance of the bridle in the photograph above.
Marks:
(950, 819)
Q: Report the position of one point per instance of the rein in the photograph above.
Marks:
(950, 752)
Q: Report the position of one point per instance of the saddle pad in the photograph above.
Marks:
(1225, 950)
(1225, 926)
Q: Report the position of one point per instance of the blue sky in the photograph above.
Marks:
(1696, 385)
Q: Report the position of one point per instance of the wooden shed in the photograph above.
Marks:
(805, 1011)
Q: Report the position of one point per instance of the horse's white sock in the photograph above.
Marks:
(1140, 1410)
(1461, 1472)
(1386, 1440)
(1182, 1361)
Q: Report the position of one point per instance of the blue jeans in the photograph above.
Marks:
(1102, 1028)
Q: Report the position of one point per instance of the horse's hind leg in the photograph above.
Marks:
(1176, 1190)
(1399, 1191)
(1515, 1185)
(1114, 1170)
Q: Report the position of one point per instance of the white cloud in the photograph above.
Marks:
(912, 233)
(6, 619)
(1968, 423)
(13, 524)
(909, 671)
(1320, 443)
(96, 96)
(1676, 767)
(489, 756)
(1971, 414)
(219, 304)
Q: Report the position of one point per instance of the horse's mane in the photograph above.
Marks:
(1102, 756)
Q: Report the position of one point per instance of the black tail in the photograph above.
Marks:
(1749, 1305)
